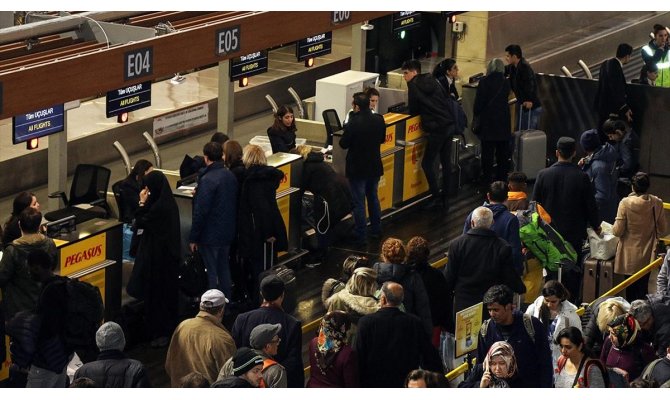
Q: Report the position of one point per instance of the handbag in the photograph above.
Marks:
(193, 280)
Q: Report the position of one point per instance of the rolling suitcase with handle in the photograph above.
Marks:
(606, 275)
(590, 280)
(530, 148)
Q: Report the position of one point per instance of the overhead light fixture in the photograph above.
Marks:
(177, 79)
(309, 62)
(244, 81)
(367, 26)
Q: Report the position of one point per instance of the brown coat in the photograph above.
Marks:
(637, 231)
(201, 344)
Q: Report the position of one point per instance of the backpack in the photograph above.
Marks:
(456, 111)
(84, 313)
(527, 323)
(192, 276)
(544, 241)
(614, 378)
(646, 374)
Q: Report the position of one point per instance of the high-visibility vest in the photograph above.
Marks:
(663, 66)
(267, 363)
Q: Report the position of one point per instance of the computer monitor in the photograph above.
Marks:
(61, 227)
(398, 108)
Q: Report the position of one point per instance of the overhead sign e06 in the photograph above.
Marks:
(314, 46)
(38, 123)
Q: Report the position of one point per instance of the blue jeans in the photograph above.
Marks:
(534, 118)
(362, 189)
(218, 267)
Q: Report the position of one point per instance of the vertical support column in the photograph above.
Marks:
(358, 43)
(57, 164)
(226, 104)
(472, 53)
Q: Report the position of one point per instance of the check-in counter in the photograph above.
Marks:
(288, 198)
(401, 154)
(92, 254)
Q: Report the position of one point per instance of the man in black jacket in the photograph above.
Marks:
(479, 259)
(524, 86)
(565, 191)
(52, 356)
(391, 343)
(271, 312)
(426, 97)
(363, 135)
(611, 97)
(112, 368)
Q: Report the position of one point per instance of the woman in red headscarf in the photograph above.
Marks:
(332, 360)
(624, 349)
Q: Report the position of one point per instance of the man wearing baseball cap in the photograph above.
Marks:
(289, 353)
(201, 344)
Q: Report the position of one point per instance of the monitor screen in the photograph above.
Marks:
(60, 227)
(398, 108)
(38, 123)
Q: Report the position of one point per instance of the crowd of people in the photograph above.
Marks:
(385, 320)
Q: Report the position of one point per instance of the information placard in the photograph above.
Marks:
(128, 98)
(314, 46)
(468, 324)
(405, 20)
(38, 123)
(249, 65)
(138, 63)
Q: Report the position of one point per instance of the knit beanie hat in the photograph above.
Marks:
(245, 360)
(110, 337)
(590, 140)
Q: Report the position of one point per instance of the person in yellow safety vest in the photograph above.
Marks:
(656, 53)
(264, 339)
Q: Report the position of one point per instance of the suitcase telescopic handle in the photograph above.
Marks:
(520, 114)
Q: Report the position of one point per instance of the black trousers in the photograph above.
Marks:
(437, 146)
(502, 154)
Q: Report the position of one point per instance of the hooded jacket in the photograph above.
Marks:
(416, 300)
(426, 97)
(601, 169)
(319, 178)
(640, 220)
(654, 55)
(19, 291)
(258, 214)
(506, 226)
(567, 317)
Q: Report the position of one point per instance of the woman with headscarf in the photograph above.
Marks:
(624, 349)
(158, 256)
(498, 370)
(333, 361)
(357, 298)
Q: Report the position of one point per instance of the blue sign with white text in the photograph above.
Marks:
(38, 123)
